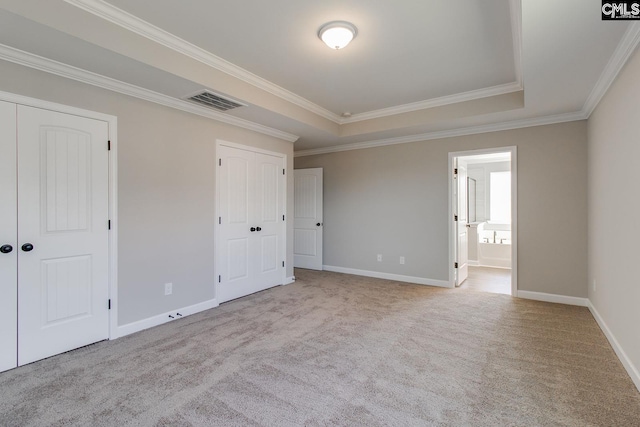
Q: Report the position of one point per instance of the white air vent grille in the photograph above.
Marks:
(215, 101)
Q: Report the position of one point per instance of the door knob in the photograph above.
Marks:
(5, 249)
(259, 228)
(27, 247)
(252, 229)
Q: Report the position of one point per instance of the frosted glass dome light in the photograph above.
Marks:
(337, 34)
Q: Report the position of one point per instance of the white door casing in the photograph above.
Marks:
(251, 229)
(453, 235)
(308, 222)
(8, 237)
(63, 205)
(461, 224)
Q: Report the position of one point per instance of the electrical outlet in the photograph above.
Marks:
(168, 288)
(401, 260)
(379, 257)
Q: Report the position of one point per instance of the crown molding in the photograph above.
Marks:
(117, 16)
(620, 56)
(473, 130)
(434, 102)
(624, 50)
(30, 60)
(143, 28)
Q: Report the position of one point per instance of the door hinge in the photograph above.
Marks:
(219, 162)
(219, 279)
(283, 263)
(282, 171)
(283, 217)
(109, 305)
(219, 220)
(455, 171)
(109, 224)
(108, 145)
(455, 217)
(455, 265)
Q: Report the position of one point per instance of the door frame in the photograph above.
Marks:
(514, 211)
(112, 122)
(219, 143)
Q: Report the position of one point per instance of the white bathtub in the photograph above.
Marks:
(494, 245)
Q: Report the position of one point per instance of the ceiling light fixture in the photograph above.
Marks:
(337, 34)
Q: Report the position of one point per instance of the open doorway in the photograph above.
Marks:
(483, 220)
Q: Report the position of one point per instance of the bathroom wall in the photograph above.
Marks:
(481, 173)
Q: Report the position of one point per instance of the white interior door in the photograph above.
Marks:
(63, 233)
(268, 221)
(236, 178)
(8, 239)
(251, 233)
(461, 225)
(307, 222)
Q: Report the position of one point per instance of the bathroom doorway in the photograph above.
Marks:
(483, 220)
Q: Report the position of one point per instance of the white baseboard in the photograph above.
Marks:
(473, 263)
(150, 322)
(492, 266)
(388, 276)
(632, 370)
(559, 299)
(289, 280)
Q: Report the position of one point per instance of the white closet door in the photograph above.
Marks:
(269, 222)
(63, 235)
(236, 203)
(8, 239)
(251, 233)
(307, 222)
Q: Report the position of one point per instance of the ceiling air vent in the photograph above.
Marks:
(215, 101)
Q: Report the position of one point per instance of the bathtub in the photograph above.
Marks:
(494, 245)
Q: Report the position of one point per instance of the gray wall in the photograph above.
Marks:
(166, 190)
(614, 160)
(393, 201)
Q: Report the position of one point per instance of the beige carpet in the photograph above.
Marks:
(335, 349)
